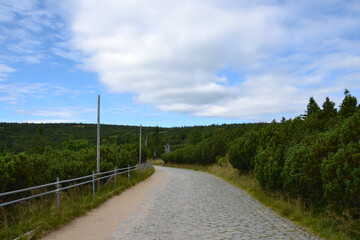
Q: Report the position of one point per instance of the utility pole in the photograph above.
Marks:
(140, 147)
(98, 138)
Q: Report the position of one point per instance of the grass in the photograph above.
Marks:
(328, 225)
(41, 214)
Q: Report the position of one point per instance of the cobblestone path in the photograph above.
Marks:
(195, 205)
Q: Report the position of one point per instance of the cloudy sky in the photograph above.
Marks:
(174, 63)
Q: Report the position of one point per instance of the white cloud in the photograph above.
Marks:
(168, 53)
(61, 114)
(47, 120)
(26, 30)
(4, 70)
(14, 93)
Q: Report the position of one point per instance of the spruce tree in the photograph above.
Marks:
(329, 110)
(348, 105)
(312, 107)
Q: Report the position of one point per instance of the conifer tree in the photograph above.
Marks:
(329, 109)
(348, 105)
(312, 107)
(283, 120)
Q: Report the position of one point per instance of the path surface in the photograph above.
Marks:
(195, 205)
(101, 222)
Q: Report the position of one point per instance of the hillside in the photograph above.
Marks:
(21, 137)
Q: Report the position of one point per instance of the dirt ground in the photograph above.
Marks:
(101, 222)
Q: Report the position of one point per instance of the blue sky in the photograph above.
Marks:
(174, 63)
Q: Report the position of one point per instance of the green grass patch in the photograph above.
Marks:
(327, 224)
(42, 215)
(157, 161)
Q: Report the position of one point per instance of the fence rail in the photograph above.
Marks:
(93, 178)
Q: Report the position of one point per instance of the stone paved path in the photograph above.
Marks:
(195, 205)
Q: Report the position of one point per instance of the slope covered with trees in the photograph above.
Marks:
(23, 137)
(33, 154)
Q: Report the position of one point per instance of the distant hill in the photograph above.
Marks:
(19, 137)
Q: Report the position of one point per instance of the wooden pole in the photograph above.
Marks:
(140, 147)
(98, 138)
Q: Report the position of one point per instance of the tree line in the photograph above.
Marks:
(44, 157)
(22, 137)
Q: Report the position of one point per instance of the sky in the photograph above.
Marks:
(174, 63)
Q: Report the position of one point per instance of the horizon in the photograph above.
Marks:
(143, 126)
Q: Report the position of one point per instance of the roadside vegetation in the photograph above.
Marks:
(74, 158)
(312, 160)
(327, 224)
(43, 164)
(41, 214)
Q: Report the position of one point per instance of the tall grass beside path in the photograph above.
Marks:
(42, 215)
(328, 225)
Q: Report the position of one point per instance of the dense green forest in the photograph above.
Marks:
(21, 137)
(315, 156)
(33, 154)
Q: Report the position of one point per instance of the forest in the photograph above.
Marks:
(23, 137)
(33, 154)
(315, 156)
